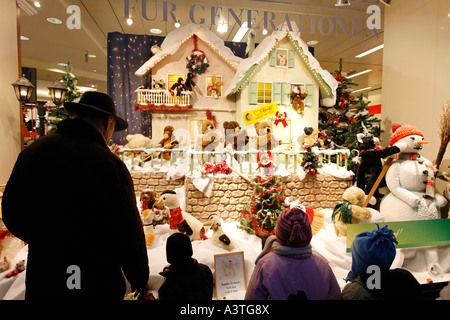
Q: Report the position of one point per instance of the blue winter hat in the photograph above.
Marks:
(372, 248)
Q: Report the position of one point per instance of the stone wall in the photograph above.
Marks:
(229, 194)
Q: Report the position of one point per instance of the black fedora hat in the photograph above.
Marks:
(100, 102)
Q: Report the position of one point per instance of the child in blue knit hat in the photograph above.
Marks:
(377, 248)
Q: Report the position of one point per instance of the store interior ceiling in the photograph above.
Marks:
(339, 32)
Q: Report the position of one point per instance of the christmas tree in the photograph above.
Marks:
(260, 214)
(334, 120)
(310, 161)
(70, 82)
(348, 117)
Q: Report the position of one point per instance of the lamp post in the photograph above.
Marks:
(57, 93)
(23, 89)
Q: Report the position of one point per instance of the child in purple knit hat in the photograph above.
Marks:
(287, 268)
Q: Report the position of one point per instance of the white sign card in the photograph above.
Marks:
(230, 275)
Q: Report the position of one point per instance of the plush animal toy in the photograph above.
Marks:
(219, 237)
(4, 265)
(158, 85)
(310, 137)
(178, 87)
(214, 87)
(189, 83)
(149, 230)
(147, 199)
(160, 212)
(20, 266)
(208, 140)
(182, 221)
(411, 180)
(235, 136)
(136, 141)
(265, 138)
(371, 162)
(297, 98)
(168, 142)
(350, 210)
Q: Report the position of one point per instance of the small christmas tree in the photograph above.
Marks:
(260, 214)
(70, 82)
(310, 161)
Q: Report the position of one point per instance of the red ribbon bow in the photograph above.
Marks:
(281, 117)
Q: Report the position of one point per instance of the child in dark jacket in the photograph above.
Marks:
(185, 278)
(376, 248)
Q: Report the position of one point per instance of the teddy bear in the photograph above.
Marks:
(160, 213)
(178, 87)
(297, 98)
(168, 142)
(208, 140)
(147, 199)
(350, 210)
(235, 136)
(189, 83)
(265, 138)
(136, 141)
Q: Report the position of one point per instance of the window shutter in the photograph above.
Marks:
(253, 93)
(273, 58)
(277, 92)
(309, 100)
(291, 58)
(286, 93)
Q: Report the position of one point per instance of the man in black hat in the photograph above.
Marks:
(72, 200)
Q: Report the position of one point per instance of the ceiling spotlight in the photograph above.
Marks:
(155, 31)
(312, 43)
(264, 32)
(54, 20)
(386, 2)
(129, 21)
(222, 27)
(177, 24)
(37, 4)
(341, 3)
(24, 38)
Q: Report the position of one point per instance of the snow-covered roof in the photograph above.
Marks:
(176, 38)
(327, 83)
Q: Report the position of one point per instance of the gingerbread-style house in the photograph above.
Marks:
(187, 51)
(282, 70)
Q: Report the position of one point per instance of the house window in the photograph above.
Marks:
(264, 92)
(214, 86)
(282, 58)
(172, 79)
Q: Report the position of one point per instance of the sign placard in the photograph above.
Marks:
(410, 234)
(260, 113)
(230, 275)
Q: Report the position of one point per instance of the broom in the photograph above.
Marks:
(444, 132)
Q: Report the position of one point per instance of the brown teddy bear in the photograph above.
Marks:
(235, 136)
(168, 142)
(265, 138)
(208, 140)
(350, 210)
(297, 98)
(147, 199)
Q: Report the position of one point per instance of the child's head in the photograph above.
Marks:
(178, 249)
(372, 248)
(293, 228)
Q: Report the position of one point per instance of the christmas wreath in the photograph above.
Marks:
(196, 61)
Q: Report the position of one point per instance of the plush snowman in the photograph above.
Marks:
(410, 180)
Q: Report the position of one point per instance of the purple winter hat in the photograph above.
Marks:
(293, 228)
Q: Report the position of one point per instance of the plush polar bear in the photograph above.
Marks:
(136, 141)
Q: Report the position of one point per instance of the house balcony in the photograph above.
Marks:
(162, 100)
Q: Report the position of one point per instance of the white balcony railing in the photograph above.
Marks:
(160, 97)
